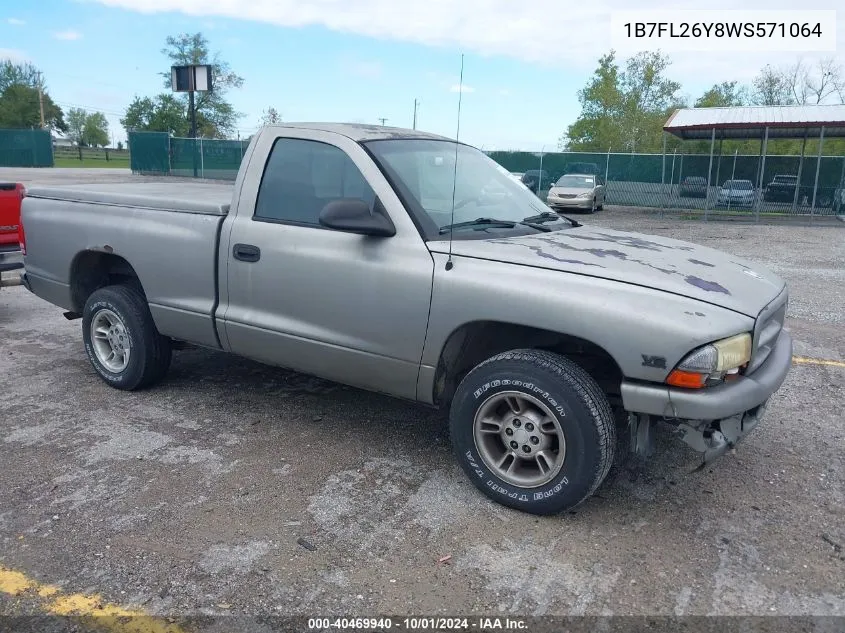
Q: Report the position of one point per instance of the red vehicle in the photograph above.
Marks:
(11, 195)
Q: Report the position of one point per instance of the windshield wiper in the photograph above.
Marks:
(493, 222)
(548, 216)
(507, 224)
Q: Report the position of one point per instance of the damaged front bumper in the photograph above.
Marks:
(713, 420)
(714, 439)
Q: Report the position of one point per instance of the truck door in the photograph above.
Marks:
(346, 307)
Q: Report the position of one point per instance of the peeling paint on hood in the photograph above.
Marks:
(656, 262)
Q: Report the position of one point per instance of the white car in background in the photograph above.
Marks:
(585, 192)
(736, 193)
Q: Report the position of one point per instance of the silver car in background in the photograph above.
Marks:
(577, 191)
(736, 193)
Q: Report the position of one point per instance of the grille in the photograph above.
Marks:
(566, 195)
(766, 331)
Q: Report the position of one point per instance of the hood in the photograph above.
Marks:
(662, 263)
(571, 190)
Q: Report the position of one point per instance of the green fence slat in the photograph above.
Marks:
(26, 148)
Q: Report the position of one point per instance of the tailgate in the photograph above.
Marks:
(11, 194)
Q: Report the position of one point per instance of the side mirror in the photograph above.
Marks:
(353, 216)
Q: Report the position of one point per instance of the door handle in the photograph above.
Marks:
(246, 252)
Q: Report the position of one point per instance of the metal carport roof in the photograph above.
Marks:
(751, 122)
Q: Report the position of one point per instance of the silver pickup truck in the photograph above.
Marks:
(408, 264)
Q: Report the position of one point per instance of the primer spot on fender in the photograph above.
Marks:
(701, 263)
(704, 284)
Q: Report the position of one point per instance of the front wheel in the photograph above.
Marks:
(121, 339)
(533, 431)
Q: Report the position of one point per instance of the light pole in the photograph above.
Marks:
(540, 176)
(192, 78)
(416, 103)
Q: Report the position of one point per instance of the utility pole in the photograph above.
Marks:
(41, 100)
(416, 103)
(382, 120)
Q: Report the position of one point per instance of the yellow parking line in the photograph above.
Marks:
(109, 617)
(803, 360)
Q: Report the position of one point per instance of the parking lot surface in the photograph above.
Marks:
(239, 488)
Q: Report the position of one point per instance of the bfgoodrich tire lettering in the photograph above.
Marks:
(150, 352)
(579, 407)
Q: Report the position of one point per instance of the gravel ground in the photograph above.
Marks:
(239, 488)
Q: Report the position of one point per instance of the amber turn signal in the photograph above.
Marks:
(687, 379)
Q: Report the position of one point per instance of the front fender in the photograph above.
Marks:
(646, 331)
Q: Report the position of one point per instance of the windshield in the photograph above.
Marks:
(576, 182)
(424, 171)
(738, 184)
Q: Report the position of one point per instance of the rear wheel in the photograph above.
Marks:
(533, 431)
(121, 339)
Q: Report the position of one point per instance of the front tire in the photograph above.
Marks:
(533, 431)
(121, 339)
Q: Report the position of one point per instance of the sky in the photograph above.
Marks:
(364, 60)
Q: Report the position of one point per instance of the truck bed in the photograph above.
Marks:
(184, 197)
(166, 232)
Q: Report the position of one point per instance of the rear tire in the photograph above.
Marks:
(121, 339)
(533, 431)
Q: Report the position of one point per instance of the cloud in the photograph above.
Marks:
(68, 35)
(460, 88)
(13, 54)
(16, 22)
(363, 69)
(504, 92)
(481, 27)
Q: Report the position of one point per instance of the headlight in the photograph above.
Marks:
(586, 194)
(713, 363)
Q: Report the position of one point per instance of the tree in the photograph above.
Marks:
(814, 85)
(23, 74)
(727, 93)
(216, 118)
(76, 125)
(19, 108)
(163, 113)
(96, 132)
(270, 116)
(624, 109)
(87, 129)
(600, 103)
(120, 146)
(649, 98)
(771, 88)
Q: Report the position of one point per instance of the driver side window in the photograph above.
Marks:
(301, 177)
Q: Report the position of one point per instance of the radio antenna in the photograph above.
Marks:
(449, 263)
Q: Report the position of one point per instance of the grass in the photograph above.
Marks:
(91, 158)
(88, 163)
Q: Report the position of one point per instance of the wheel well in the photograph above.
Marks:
(92, 270)
(475, 342)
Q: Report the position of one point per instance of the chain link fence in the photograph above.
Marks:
(26, 148)
(158, 153)
(679, 181)
(676, 182)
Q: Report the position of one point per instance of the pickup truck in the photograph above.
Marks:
(11, 194)
(782, 189)
(365, 255)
